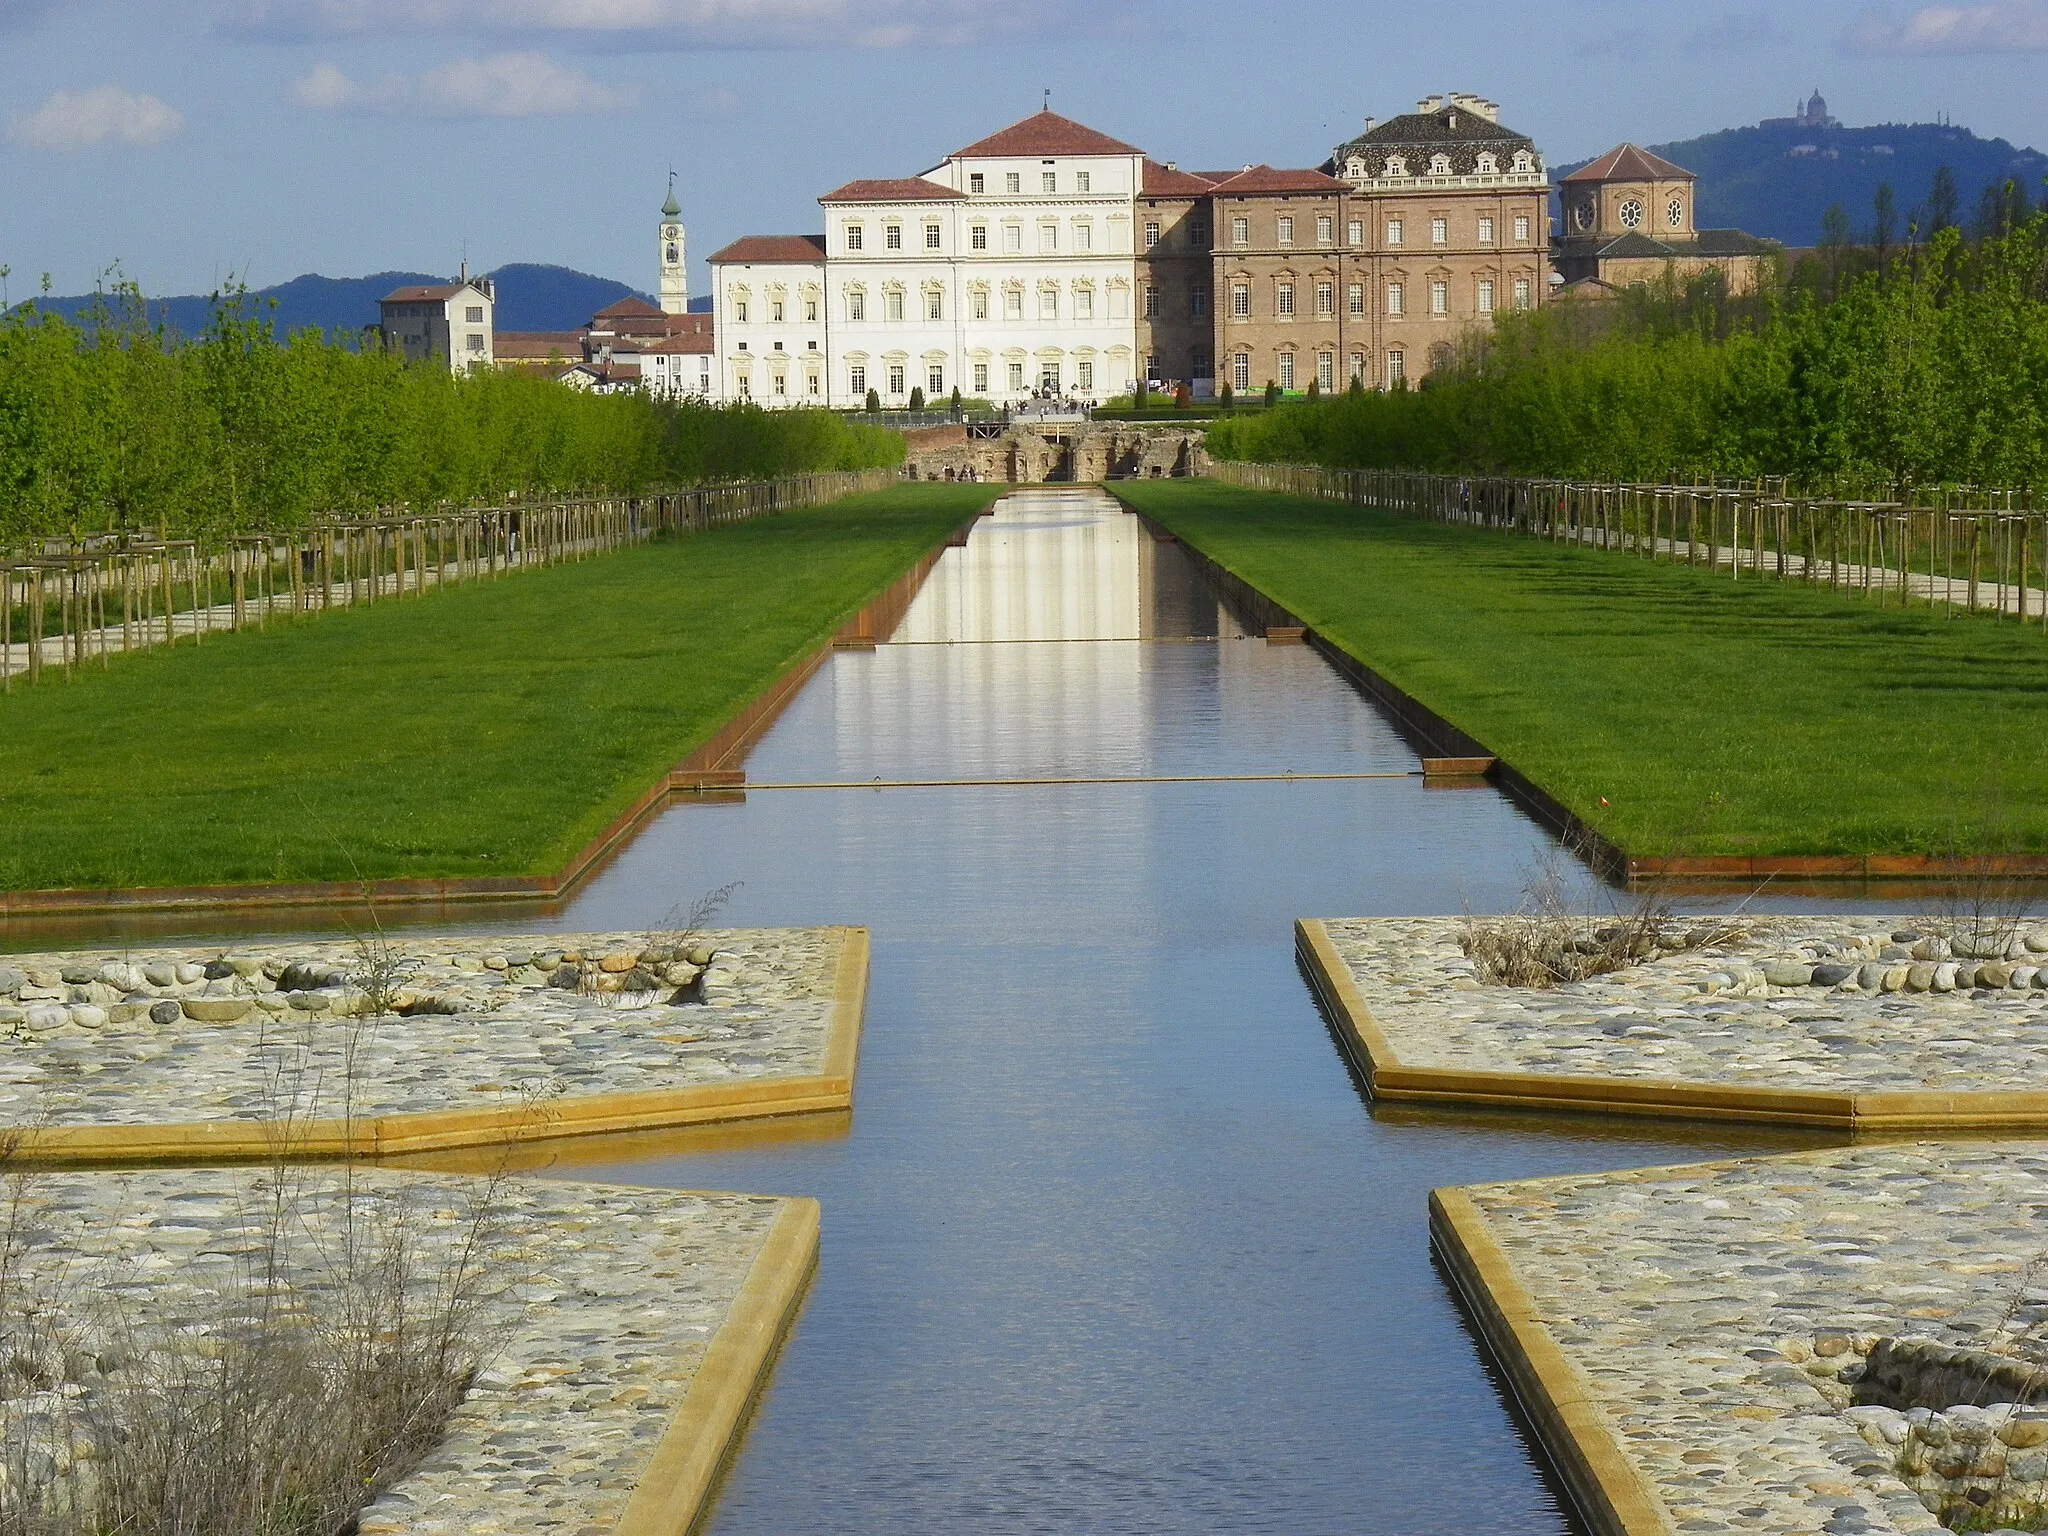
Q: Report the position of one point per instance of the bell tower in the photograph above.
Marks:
(675, 272)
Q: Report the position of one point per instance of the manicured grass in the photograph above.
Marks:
(485, 730)
(1714, 716)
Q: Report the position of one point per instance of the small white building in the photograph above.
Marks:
(1006, 271)
(451, 322)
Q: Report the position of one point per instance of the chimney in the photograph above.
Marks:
(465, 271)
(1430, 104)
(1371, 123)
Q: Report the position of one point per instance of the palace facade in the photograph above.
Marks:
(1052, 259)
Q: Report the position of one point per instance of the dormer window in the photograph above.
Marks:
(1397, 165)
(1488, 166)
(1523, 164)
(1355, 168)
(1439, 165)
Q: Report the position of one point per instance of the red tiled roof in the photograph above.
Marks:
(537, 346)
(898, 189)
(420, 295)
(1046, 133)
(1627, 163)
(631, 306)
(1264, 178)
(1167, 181)
(770, 250)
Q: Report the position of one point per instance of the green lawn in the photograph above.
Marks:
(485, 730)
(1714, 717)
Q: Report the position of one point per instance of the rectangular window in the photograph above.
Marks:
(810, 311)
(976, 182)
(1202, 367)
(857, 305)
(739, 311)
(892, 306)
(1397, 367)
(978, 237)
(853, 237)
(1016, 377)
(1287, 370)
(475, 314)
(1325, 229)
(1486, 296)
(1397, 299)
(1048, 181)
(1013, 304)
(935, 305)
(811, 385)
(1048, 238)
(1354, 232)
(1521, 293)
(1354, 298)
(746, 385)
(978, 304)
(1198, 301)
(892, 236)
(1326, 299)
(1084, 373)
(1080, 181)
(1151, 301)
(1326, 371)
(1393, 231)
(895, 378)
(1049, 378)
(1284, 299)
(981, 378)
(1198, 234)
(1440, 297)
(1084, 303)
(1439, 231)
(1241, 370)
(1285, 231)
(1151, 367)
(1486, 231)
(1013, 237)
(1151, 236)
(931, 237)
(1013, 181)
(1521, 229)
(476, 341)
(934, 380)
(782, 385)
(1240, 231)
(1358, 366)
(1084, 236)
(1048, 303)
(775, 310)
(1241, 300)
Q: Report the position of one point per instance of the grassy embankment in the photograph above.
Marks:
(484, 730)
(1712, 716)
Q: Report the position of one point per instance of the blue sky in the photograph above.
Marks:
(194, 139)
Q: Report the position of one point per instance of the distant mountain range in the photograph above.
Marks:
(530, 298)
(1777, 181)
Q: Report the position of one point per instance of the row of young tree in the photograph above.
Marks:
(114, 425)
(1927, 366)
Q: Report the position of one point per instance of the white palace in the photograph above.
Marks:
(1007, 268)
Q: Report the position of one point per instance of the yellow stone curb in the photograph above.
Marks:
(1388, 1078)
(224, 1141)
(1604, 1485)
(674, 1491)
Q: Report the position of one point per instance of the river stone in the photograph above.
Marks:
(1995, 974)
(88, 1016)
(44, 1017)
(2023, 976)
(217, 1010)
(496, 963)
(189, 971)
(11, 980)
(2036, 939)
(1945, 976)
(128, 978)
(160, 975)
(79, 975)
(1895, 977)
(568, 977)
(1933, 948)
(10, 1016)
(218, 970)
(166, 1012)
(1870, 977)
(309, 1002)
(702, 954)
(547, 960)
(1920, 976)
(1788, 973)
(620, 961)
(244, 966)
(1830, 974)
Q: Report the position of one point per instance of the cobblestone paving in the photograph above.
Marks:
(176, 1035)
(1714, 1309)
(597, 1310)
(1714, 1015)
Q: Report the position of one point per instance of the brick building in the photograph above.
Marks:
(1628, 219)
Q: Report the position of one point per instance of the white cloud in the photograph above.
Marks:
(646, 23)
(2002, 26)
(106, 114)
(506, 85)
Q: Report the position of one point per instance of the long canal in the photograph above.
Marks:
(1112, 1240)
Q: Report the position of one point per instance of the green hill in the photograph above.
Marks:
(1778, 181)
